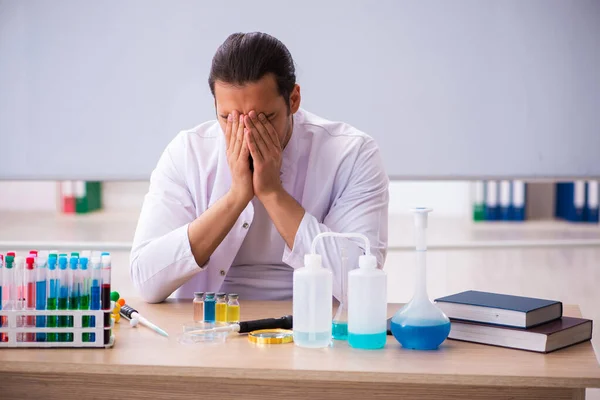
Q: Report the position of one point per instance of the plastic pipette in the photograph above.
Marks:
(132, 314)
(285, 322)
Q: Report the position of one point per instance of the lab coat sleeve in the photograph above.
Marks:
(161, 256)
(362, 207)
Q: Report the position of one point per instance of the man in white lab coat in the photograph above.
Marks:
(235, 203)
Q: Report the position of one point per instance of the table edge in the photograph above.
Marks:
(264, 374)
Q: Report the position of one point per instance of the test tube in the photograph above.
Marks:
(84, 296)
(198, 306)
(63, 296)
(40, 296)
(2, 335)
(29, 295)
(221, 308)
(74, 283)
(52, 302)
(19, 269)
(19, 272)
(95, 284)
(9, 283)
(106, 265)
(209, 307)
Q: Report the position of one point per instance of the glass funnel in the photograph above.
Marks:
(420, 325)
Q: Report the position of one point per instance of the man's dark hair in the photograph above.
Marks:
(247, 57)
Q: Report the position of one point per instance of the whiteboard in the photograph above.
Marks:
(449, 89)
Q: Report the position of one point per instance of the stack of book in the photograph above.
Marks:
(512, 321)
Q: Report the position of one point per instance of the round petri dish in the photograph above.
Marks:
(203, 332)
(271, 336)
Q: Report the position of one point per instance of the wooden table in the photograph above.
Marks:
(144, 365)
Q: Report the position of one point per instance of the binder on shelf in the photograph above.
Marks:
(570, 201)
(518, 201)
(491, 201)
(504, 209)
(67, 197)
(592, 202)
(80, 197)
(88, 196)
(559, 196)
(478, 200)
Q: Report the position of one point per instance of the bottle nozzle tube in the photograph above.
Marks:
(365, 239)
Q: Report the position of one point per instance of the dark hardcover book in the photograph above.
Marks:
(545, 338)
(500, 309)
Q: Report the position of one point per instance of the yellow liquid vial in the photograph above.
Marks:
(233, 314)
(221, 312)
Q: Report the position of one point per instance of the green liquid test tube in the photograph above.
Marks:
(52, 302)
(84, 299)
(63, 297)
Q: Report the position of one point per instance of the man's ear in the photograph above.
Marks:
(295, 99)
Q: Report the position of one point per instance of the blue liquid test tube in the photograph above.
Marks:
(40, 297)
(209, 307)
(74, 290)
(95, 284)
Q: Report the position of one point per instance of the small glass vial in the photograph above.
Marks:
(233, 309)
(221, 307)
(198, 306)
(209, 307)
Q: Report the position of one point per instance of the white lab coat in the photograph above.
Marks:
(345, 190)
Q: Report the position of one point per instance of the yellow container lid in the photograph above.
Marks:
(271, 336)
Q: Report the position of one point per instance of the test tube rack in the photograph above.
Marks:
(13, 331)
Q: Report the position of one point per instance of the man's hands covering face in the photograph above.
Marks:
(265, 148)
(253, 135)
(237, 158)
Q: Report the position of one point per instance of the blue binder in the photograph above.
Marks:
(504, 213)
(518, 201)
(592, 201)
(570, 201)
(491, 201)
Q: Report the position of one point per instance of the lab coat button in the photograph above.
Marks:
(222, 272)
(246, 225)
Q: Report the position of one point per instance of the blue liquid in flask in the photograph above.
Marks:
(427, 335)
(339, 330)
(420, 325)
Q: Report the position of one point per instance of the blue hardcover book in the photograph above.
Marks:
(500, 309)
(491, 201)
(592, 203)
